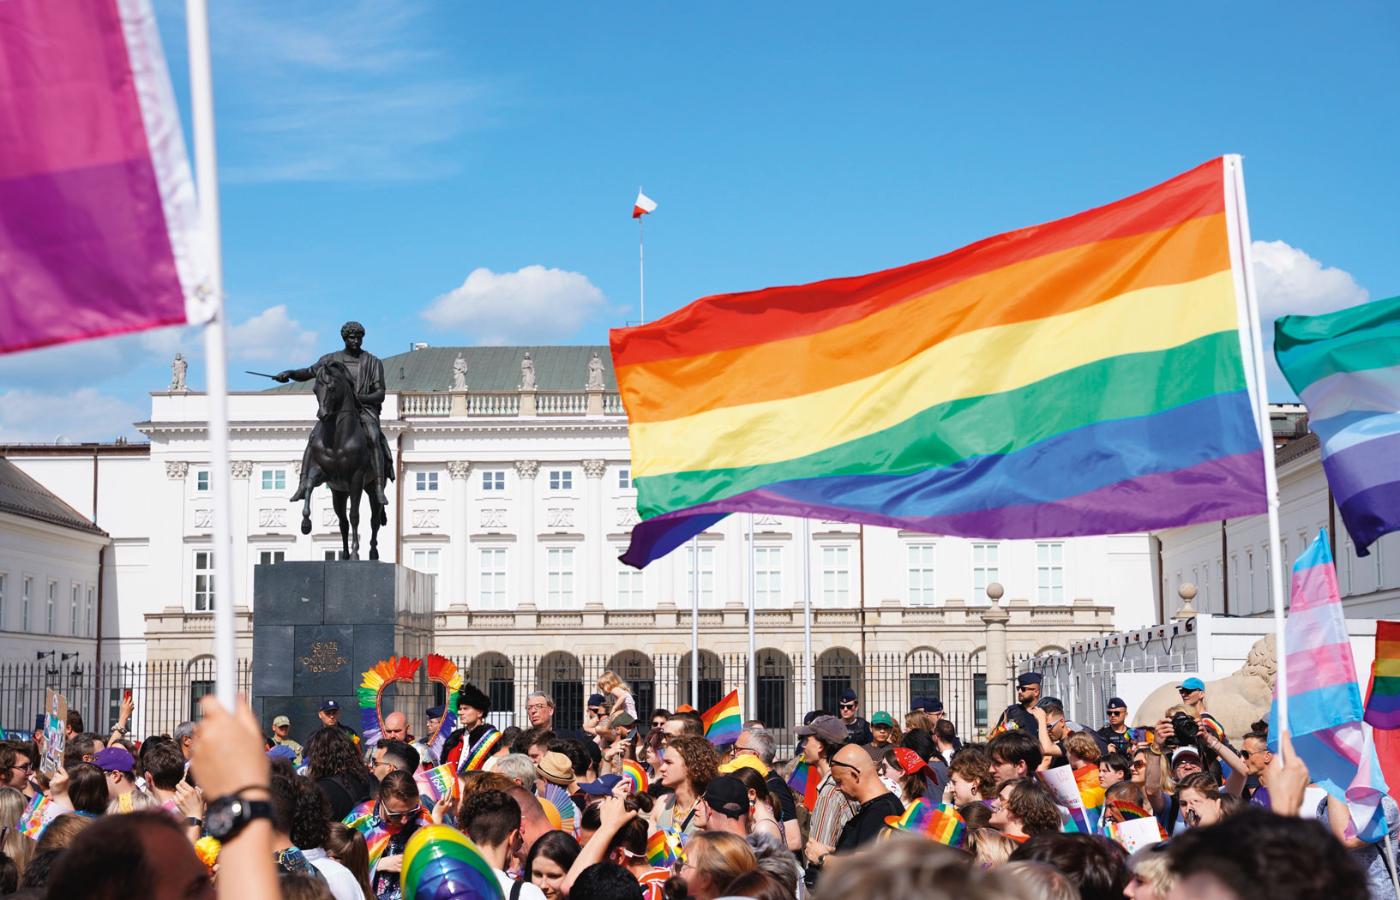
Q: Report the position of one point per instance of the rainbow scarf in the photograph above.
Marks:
(437, 783)
(723, 721)
(803, 782)
(1091, 792)
(633, 772)
(940, 821)
(441, 863)
(1118, 403)
(480, 752)
(661, 849)
(376, 834)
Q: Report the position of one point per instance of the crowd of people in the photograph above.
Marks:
(623, 809)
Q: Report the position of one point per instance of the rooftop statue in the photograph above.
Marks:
(346, 451)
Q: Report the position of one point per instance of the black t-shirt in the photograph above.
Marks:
(787, 805)
(869, 821)
(345, 792)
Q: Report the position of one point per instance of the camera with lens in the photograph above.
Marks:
(1185, 731)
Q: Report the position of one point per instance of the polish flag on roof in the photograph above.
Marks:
(643, 205)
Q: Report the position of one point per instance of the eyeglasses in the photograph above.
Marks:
(397, 816)
(1139, 764)
(27, 767)
(531, 707)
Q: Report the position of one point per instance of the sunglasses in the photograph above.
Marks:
(855, 769)
(397, 816)
(1116, 712)
(850, 705)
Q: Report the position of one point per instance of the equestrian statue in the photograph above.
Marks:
(347, 451)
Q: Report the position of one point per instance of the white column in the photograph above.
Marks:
(240, 576)
(526, 470)
(594, 541)
(458, 589)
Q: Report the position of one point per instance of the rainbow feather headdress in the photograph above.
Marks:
(444, 671)
(371, 692)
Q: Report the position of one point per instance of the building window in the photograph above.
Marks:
(986, 568)
(203, 580)
(493, 577)
(561, 480)
(1050, 572)
(425, 482)
(73, 610)
(198, 691)
(979, 700)
(50, 624)
(629, 584)
(921, 574)
(25, 594)
(707, 575)
(560, 577)
(4, 583)
(274, 479)
(836, 576)
(91, 608)
(201, 480)
(624, 479)
(768, 576)
(493, 480)
(271, 557)
(427, 562)
(925, 684)
(330, 555)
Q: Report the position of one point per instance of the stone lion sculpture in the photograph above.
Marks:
(1238, 700)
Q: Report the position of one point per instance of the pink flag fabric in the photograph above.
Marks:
(98, 217)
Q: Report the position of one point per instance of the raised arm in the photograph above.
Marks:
(306, 374)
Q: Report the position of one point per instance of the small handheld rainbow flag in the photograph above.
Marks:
(1383, 700)
(633, 772)
(31, 822)
(1091, 792)
(437, 783)
(803, 782)
(660, 850)
(723, 721)
(480, 752)
(941, 821)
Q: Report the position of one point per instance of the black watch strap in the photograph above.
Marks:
(227, 816)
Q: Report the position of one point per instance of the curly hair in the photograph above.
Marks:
(302, 810)
(974, 765)
(330, 753)
(701, 760)
(110, 859)
(1034, 806)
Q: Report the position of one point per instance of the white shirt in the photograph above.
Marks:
(343, 885)
(527, 890)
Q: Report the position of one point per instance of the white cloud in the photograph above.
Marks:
(271, 335)
(533, 304)
(1290, 282)
(85, 414)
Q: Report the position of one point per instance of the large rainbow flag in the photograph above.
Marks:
(1383, 701)
(1324, 699)
(1083, 376)
(1345, 366)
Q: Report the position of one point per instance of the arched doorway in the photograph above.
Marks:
(635, 668)
(711, 680)
(560, 675)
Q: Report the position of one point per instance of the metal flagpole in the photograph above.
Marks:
(1237, 213)
(215, 349)
(641, 263)
(695, 621)
(753, 655)
(807, 613)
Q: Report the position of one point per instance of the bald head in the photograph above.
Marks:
(395, 727)
(855, 774)
(534, 824)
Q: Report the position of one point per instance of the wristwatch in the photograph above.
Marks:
(227, 816)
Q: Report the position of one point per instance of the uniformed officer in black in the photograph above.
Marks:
(1017, 716)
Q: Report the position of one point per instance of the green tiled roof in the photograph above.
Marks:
(488, 369)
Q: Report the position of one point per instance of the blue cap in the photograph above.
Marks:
(603, 787)
(1026, 678)
(1192, 684)
(435, 712)
(934, 705)
(596, 700)
(1116, 703)
(282, 751)
(330, 706)
(848, 695)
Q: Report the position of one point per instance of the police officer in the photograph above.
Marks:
(1116, 732)
(1017, 716)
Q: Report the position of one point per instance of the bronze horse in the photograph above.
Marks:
(341, 459)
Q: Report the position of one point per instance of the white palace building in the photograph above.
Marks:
(519, 502)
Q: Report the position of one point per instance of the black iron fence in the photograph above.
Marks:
(168, 692)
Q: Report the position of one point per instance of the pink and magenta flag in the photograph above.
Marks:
(1324, 698)
(98, 217)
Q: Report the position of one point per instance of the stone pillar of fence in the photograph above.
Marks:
(998, 686)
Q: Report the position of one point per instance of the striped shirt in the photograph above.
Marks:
(833, 810)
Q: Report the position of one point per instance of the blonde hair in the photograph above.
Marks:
(1150, 865)
(917, 720)
(138, 800)
(990, 847)
(12, 806)
(720, 856)
(1084, 747)
(609, 680)
(16, 846)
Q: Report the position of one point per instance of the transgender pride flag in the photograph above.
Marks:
(98, 220)
(1324, 699)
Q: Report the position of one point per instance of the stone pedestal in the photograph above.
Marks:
(317, 626)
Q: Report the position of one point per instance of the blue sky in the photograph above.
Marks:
(375, 155)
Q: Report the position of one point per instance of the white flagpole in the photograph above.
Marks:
(641, 263)
(807, 613)
(1237, 212)
(695, 622)
(753, 653)
(215, 347)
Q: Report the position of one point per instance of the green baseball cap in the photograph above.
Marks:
(882, 718)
